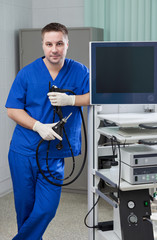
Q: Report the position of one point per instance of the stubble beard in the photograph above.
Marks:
(57, 62)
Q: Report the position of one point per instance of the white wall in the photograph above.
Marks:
(67, 12)
(14, 14)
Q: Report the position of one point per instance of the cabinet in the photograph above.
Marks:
(131, 203)
(79, 38)
(30, 44)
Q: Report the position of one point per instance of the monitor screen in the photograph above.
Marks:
(123, 72)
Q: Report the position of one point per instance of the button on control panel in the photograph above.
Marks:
(131, 204)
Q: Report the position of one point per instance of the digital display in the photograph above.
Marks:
(123, 72)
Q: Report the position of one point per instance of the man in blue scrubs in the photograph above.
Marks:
(31, 106)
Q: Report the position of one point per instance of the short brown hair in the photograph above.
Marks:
(56, 27)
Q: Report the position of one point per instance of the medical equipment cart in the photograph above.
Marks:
(131, 202)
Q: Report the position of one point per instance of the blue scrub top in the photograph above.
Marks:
(29, 92)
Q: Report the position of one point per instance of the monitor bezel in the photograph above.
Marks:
(120, 98)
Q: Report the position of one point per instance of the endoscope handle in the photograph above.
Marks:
(54, 88)
(58, 128)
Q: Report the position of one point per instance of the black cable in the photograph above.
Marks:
(59, 146)
(147, 219)
(113, 147)
(85, 219)
(120, 161)
(83, 164)
(85, 153)
(73, 168)
(114, 139)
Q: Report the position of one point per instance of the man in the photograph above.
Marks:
(31, 106)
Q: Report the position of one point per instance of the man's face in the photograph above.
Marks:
(55, 45)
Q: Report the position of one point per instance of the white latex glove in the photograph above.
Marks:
(45, 131)
(61, 99)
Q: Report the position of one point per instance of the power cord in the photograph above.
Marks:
(114, 140)
(85, 219)
(103, 226)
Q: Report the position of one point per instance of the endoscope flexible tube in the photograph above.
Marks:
(85, 153)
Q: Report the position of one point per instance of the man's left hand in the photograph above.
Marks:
(61, 99)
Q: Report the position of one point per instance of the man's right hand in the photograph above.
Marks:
(45, 131)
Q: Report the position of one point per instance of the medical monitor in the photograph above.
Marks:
(123, 72)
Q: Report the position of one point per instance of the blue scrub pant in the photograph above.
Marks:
(36, 200)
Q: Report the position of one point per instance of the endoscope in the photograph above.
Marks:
(59, 129)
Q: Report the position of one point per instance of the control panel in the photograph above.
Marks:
(135, 215)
